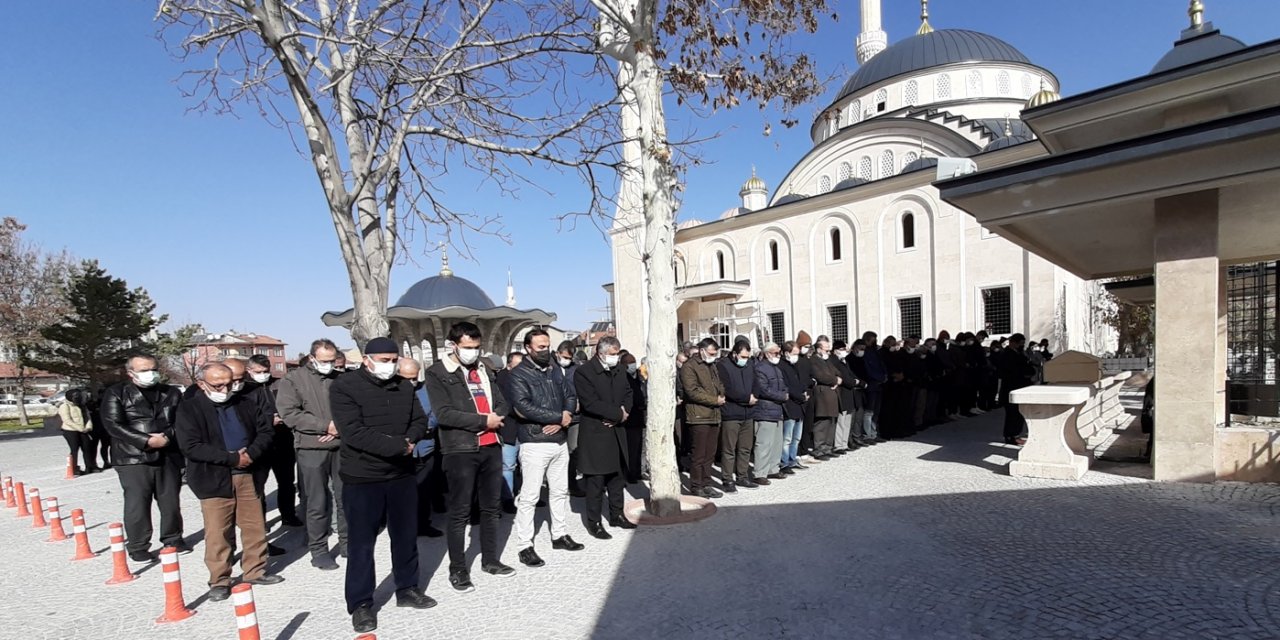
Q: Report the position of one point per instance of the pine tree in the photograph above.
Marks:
(107, 324)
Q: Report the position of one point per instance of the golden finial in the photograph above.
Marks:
(444, 260)
(1196, 11)
(924, 19)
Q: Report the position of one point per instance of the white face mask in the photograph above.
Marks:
(218, 397)
(793, 358)
(773, 359)
(261, 378)
(804, 351)
(237, 386)
(146, 379)
(842, 354)
(610, 362)
(322, 368)
(859, 354)
(709, 359)
(565, 362)
(911, 349)
(381, 370)
(933, 347)
(468, 356)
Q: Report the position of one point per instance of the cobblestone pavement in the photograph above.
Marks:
(926, 538)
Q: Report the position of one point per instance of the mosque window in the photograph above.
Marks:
(855, 112)
(774, 263)
(907, 159)
(911, 94)
(1028, 85)
(1003, 85)
(838, 319)
(944, 87)
(975, 83)
(777, 327)
(824, 184)
(997, 309)
(908, 230)
(910, 316)
(837, 247)
(720, 265)
(846, 171)
(886, 164)
(882, 100)
(864, 168)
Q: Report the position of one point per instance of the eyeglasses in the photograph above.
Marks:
(218, 387)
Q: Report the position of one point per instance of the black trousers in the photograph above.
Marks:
(426, 473)
(824, 435)
(82, 445)
(477, 474)
(806, 434)
(102, 438)
(143, 484)
(1014, 423)
(368, 505)
(283, 461)
(737, 437)
(597, 485)
(705, 438)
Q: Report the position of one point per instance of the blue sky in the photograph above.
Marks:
(223, 222)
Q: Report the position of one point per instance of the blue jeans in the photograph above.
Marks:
(510, 454)
(791, 442)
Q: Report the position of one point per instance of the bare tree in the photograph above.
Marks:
(707, 53)
(389, 95)
(32, 282)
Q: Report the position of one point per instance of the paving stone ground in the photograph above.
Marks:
(924, 538)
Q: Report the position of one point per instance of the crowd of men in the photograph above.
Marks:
(356, 453)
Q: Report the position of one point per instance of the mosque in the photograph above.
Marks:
(855, 237)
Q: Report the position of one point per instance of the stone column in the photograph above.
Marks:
(1189, 346)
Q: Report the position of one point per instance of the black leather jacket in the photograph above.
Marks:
(539, 397)
(132, 420)
(459, 425)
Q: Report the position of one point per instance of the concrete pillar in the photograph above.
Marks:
(1188, 309)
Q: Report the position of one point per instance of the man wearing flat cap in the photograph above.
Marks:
(379, 420)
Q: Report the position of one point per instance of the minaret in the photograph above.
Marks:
(511, 291)
(755, 195)
(873, 39)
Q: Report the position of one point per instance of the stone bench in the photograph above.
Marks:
(1054, 447)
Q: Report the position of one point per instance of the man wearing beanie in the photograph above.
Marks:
(379, 420)
(804, 368)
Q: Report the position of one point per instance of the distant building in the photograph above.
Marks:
(40, 383)
(216, 347)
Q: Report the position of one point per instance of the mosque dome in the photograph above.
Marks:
(920, 163)
(753, 184)
(931, 49)
(445, 290)
(1042, 97)
(1197, 45)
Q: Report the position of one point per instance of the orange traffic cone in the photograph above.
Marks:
(6, 485)
(22, 500)
(71, 468)
(175, 607)
(83, 552)
(120, 569)
(246, 611)
(367, 636)
(56, 532)
(10, 500)
(37, 510)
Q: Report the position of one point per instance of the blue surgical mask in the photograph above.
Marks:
(742, 362)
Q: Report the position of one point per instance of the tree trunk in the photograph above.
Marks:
(370, 319)
(22, 397)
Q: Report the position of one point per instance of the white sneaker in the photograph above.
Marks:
(810, 460)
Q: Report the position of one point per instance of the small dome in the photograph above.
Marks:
(688, 224)
(791, 197)
(438, 292)
(920, 163)
(1042, 97)
(1006, 141)
(849, 183)
(753, 185)
(1197, 45)
(729, 213)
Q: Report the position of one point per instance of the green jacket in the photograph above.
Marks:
(702, 388)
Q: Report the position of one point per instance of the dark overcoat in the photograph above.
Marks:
(603, 394)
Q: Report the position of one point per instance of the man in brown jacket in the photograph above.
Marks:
(703, 397)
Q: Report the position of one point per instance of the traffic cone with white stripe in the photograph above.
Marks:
(175, 606)
(71, 468)
(246, 611)
(120, 564)
(6, 489)
(56, 532)
(83, 552)
(37, 510)
(20, 491)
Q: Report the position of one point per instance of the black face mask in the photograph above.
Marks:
(541, 358)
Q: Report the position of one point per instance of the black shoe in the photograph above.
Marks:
(497, 569)
(566, 543)
(340, 550)
(777, 476)
(529, 558)
(290, 521)
(597, 531)
(323, 562)
(266, 579)
(728, 487)
(273, 550)
(709, 493)
(621, 522)
(762, 482)
(430, 532)
(787, 471)
(364, 619)
(142, 556)
(414, 598)
(219, 593)
(460, 579)
(746, 484)
(182, 548)
(824, 457)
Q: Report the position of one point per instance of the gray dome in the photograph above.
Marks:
(1006, 141)
(849, 183)
(439, 292)
(920, 163)
(932, 49)
(1196, 46)
(790, 197)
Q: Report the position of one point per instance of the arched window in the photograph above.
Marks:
(824, 184)
(886, 164)
(855, 112)
(908, 230)
(911, 94)
(1028, 85)
(864, 168)
(675, 272)
(882, 100)
(943, 88)
(846, 171)
(910, 157)
(975, 84)
(720, 265)
(773, 255)
(836, 245)
(1002, 83)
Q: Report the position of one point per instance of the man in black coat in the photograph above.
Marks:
(737, 426)
(139, 413)
(1015, 372)
(847, 427)
(225, 438)
(604, 397)
(281, 457)
(379, 421)
(469, 407)
(793, 409)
